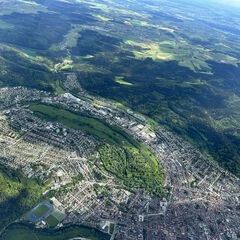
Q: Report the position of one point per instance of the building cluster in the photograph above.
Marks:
(203, 200)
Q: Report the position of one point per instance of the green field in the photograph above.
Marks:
(92, 126)
(122, 81)
(55, 218)
(130, 161)
(52, 221)
(40, 210)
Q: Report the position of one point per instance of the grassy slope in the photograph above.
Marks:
(90, 125)
(121, 155)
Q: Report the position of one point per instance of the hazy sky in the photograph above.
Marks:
(232, 1)
(229, 2)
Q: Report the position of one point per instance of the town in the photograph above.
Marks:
(203, 200)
